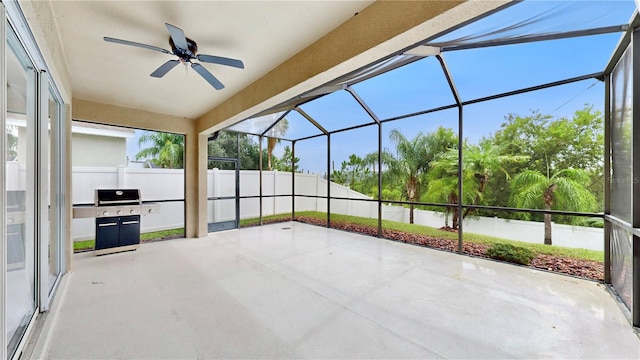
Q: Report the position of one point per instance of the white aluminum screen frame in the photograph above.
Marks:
(3, 189)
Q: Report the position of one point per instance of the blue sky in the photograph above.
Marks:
(476, 73)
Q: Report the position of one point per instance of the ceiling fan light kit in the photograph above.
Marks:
(186, 50)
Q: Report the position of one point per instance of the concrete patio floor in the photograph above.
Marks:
(293, 290)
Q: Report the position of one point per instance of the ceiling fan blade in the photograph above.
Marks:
(164, 68)
(131, 43)
(220, 60)
(178, 37)
(207, 76)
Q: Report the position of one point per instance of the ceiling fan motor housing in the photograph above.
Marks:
(189, 53)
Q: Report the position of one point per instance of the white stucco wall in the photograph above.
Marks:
(95, 150)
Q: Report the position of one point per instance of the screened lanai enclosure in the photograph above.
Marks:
(516, 126)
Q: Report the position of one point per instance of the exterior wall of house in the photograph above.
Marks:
(93, 150)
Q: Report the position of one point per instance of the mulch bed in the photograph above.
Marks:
(588, 269)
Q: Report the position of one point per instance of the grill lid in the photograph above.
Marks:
(117, 197)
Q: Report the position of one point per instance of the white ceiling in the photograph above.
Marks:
(262, 34)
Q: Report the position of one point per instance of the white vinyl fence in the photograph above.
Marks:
(164, 184)
(154, 184)
(527, 231)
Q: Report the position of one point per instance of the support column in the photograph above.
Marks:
(195, 180)
(379, 203)
(260, 176)
(460, 180)
(376, 119)
(635, 167)
(328, 180)
(456, 96)
(607, 177)
(293, 180)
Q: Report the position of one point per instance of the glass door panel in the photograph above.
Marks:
(53, 175)
(223, 194)
(20, 195)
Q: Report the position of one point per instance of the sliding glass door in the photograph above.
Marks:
(52, 236)
(20, 205)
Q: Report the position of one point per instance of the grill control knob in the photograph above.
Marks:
(132, 211)
(119, 212)
(105, 213)
(150, 210)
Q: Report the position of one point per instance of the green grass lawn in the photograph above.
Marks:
(468, 237)
(256, 221)
(84, 245)
(145, 237)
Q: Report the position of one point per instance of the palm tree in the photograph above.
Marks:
(443, 184)
(279, 129)
(565, 189)
(413, 157)
(480, 163)
(483, 161)
(167, 150)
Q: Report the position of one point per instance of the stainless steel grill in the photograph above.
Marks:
(117, 213)
(115, 202)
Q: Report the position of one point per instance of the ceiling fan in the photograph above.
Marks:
(186, 50)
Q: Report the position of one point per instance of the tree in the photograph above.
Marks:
(443, 184)
(279, 129)
(565, 189)
(480, 164)
(285, 162)
(363, 172)
(557, 143)
(413, 157)
(227, 144)
(562, 143)
(352, 173)
(166, 151)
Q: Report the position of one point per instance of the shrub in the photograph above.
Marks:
(511, 253)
